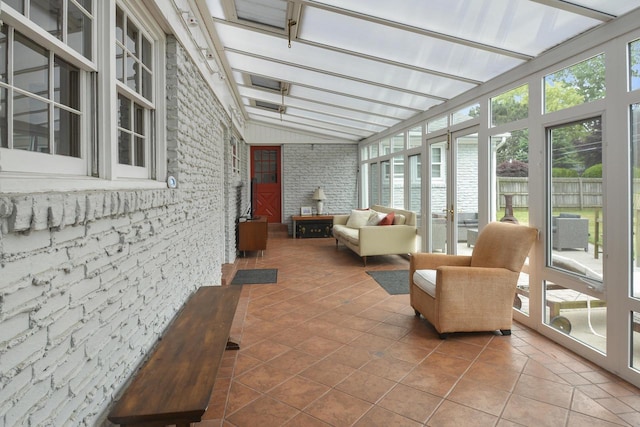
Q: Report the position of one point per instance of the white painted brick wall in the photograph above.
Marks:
(307, 166)
(90, 280)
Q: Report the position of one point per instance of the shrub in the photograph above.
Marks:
(564, 173)
(513, 168)
(594, 171)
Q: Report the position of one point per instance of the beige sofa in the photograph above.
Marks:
(366, 240)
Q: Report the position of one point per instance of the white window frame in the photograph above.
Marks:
(20, 164)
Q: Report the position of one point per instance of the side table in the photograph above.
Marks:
(312, 225)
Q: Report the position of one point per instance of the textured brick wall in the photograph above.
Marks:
(307, 166)
(89, 280)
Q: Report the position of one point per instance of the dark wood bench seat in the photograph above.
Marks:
(174, 385)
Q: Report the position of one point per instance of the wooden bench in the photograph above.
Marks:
(174, 386)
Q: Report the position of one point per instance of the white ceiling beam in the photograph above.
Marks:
(577, 9)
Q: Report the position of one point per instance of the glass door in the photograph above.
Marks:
(574, 291)
(454, 192)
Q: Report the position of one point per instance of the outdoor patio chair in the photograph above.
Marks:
(570, 231)
(468, 293)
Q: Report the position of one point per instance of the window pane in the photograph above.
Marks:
(510, 164)
(131, 41)
(575, 85)
(132, 73)
(139, 151)
(79, 31)
(138, 120)
(31, 66)
(124, 148)
(86, 4)
(124, 112)
(397, 143)
(4, 140)
(147, 87)
(30, 124)
(373, 150)
(66, 83)
(635, 191)
(119, 63)
(385, 146)
(398, 182)
(415, 137)
(437, 124)
(146, 52)
(374, 184)
(385, 190)
(3, 53)
(465, 114)
(66, 133)
(576, 197)
(510, 106)
(119, 25)
(48, 15)
(16, 4)
(634, 65)
(415, 183)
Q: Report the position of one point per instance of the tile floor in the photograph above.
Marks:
(327, 346)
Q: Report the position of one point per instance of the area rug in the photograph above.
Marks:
(255, 276)
(395, 282)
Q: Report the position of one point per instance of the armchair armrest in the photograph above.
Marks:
(430, 261)
(468, 291)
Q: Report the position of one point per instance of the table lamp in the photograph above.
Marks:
(319, 196)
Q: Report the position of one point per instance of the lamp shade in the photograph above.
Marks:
(319, 194)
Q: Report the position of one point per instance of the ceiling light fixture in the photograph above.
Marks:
(189, 18)
(290, 24)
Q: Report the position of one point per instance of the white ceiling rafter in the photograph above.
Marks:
(356, 68)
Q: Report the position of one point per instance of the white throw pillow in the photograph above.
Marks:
(376, 217)
(358, 219)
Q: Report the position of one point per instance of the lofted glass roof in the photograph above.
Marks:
(355, 68)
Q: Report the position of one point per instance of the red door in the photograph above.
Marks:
(265, 168)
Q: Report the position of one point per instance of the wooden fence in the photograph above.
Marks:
(575, 193)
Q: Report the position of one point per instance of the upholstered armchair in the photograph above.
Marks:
(468, 293)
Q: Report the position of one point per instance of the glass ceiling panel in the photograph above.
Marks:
(272, 13)
(344, 64)
(290, 101)
(519, 25)
(403, 46)
(297, 112)
(395, 112)
(324, 130)
(319, 80)
(288, 118)
(617, 7)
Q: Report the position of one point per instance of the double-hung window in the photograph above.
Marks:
(45, 67)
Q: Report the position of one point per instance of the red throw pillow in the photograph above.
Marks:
(388, 220)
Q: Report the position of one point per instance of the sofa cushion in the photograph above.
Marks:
(358, 218)
(376, 218)
(388, 219)
(350, 235)
(426, 280)
(399, 219)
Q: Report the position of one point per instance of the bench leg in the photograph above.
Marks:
(232, 345)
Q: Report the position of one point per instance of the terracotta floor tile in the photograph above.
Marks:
(293, 361)
(585, 405)
(544, 390)
(298, 392)
(493, 375)
(389, 331)
(479, 396)
(380, 417)
(239, 396)
(265, 350)
(351, 356)
(264, 377)
(581, 420)
(410, 402)
(455, 415)
(444, 363)
(433, 382)
(338, 409)
(270, 412)
(388, 367)
(372, 342)
(534, 413)
(319, 346)
(459, 349)
(365, 386)
(305, 420)
(327, 372)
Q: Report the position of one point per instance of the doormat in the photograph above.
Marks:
(395, 282)
(255, 276)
